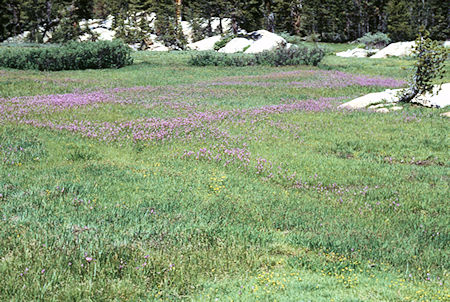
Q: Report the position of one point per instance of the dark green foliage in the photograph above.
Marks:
(71, 56)
(293, 39)
(170, 34)
(167, 26)
(212, 58)
(224, 41)
(377, 40)
(301, 55)
(329, 20)
(431, 57)
(399, 23)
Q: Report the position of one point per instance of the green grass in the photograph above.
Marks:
(365, 218)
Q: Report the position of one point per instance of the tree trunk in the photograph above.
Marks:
(178, 11)
(234, 23)
(220, 26)
(408, 95)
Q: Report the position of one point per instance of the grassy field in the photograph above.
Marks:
(162, 181)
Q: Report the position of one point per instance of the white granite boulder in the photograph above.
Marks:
(21, 38)
(186, 27)
(102, 34)
(236, 45)
(446, 44)
(205, 44)
(154, 45)
(355, 53)
(266, 41)
(387, 96)
(157, 46)
(439, 99)
(399, 49)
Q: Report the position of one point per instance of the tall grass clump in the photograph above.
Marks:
(301, 55)
(70, 56)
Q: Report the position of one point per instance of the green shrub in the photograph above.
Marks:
(301, 55)
(71, 56)
(212, 58)
(293, 39)
(222, 42)
(377, 40)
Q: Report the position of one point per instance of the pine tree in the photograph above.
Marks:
(399, 25)
(10, 19)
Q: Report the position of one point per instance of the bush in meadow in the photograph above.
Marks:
(70, 56)
(377, 40)
(301, 55)
(212, 58)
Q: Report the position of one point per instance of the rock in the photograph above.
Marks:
(21, 38)
(290, 45)
(158, 47)
(446, 44)
(388, 96)
(383, 110)
(155, 45)
(104, 34)
(399, 49)
(47, 37)
(236, 45)
(101, 33)
(205, 44)
(108, 22)
(396, 108)
(354, 53)
(440, 99)
(187, 30)
(135, 46)
(446, 114)
(266, 41)
(90, 23)
(215, 24)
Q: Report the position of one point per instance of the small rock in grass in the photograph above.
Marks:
(446, 114)
(355, 53)
(383, 110)
(395, 108)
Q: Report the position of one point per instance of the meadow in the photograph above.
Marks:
(163, 181)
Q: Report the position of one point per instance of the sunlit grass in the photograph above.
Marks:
(245, 193)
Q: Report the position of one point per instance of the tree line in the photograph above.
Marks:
(325, 20)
